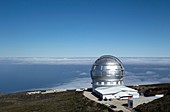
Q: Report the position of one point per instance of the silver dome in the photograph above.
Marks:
(107, 71)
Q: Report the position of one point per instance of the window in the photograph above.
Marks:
(108, 83)
(94, 67)
(99, 83)
(102, 83)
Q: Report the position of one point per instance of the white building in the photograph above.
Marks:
(116, 92)
(107, 79)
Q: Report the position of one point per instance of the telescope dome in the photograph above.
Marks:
(107, 71)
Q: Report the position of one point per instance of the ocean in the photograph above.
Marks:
(25, 73)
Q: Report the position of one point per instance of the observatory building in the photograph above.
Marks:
(107, 79)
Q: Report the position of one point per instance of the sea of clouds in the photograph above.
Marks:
(138, 70)
(48, 60)
(83, 60)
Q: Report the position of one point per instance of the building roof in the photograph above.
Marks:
(113, 90)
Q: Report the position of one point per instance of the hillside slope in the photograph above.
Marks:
(158, 105)
(69, 101)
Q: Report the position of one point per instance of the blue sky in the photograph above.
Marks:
(84, 28)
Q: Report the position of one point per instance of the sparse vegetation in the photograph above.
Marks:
(151, 90)
(69, 101)
(72, 101)
(158, 105)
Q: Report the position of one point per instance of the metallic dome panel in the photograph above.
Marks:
(107, 71)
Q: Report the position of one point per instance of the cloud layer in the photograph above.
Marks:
(76, 83)
(139, 71)
(47, 60)
(146, 60)
(84, 60)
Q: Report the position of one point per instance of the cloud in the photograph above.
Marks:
(131, 78)
(143, 78)
(84, 73)
(83, 60)
(77, 71)
(140, 73)
(152, 68)
(165, 80)
(150, 72)
(75, 84)
(48, 60)
(140, 80)
(146, 60)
